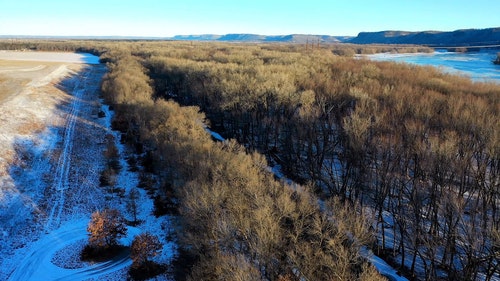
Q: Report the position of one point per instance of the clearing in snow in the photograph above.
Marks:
(51, 144)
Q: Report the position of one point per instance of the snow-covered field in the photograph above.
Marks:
(49, 57)
(51, 155)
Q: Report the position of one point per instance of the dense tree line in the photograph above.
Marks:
(93, 47)
(350, 50)
(237, 221)
(418, 146)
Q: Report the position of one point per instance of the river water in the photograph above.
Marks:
(476, 65)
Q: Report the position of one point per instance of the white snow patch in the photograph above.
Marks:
(386, 270)
(65, 57)
(216, 136)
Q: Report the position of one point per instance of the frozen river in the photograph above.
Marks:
(477, 65)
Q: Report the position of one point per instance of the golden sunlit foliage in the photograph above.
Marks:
(380, 133)
(417, 148)
(144, 247)
(105, 228)
(232, 208)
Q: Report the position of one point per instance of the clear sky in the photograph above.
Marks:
(161, 18)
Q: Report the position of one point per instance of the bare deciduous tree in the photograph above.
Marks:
(132, 204)
(144, 246)
(105, 228)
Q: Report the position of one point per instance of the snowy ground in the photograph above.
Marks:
(49, 57)
(51, 144)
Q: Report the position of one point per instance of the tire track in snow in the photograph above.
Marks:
(37, 264)
(64, 161)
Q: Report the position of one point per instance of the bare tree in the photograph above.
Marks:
(132, 206)
(105, 228)
(144, 246)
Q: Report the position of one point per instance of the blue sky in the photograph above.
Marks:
(167, 18)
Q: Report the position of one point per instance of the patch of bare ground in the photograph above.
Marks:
(15, 75)
(26, 107)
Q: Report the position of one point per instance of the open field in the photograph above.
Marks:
(51, 145)
(17, 69)
(35, 108)
(29, 95)
(62, 57)
(15, 75)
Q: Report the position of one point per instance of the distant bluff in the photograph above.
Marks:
(462, 37)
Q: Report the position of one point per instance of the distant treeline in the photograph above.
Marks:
(350, 50)
(418, 148)
(95, 46)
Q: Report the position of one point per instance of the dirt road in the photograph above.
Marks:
(37, 264)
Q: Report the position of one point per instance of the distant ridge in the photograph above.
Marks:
(257, 38)
(462, 37)
(233, 37)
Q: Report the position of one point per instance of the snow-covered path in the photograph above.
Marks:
(37, 264)
(63, 164)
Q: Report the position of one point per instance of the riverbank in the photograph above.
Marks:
(476, 65)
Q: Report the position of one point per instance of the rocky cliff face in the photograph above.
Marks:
(463, 37)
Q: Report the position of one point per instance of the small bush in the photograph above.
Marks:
(144, 247)
(146, 181)
(132, 164)
(147, 161)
